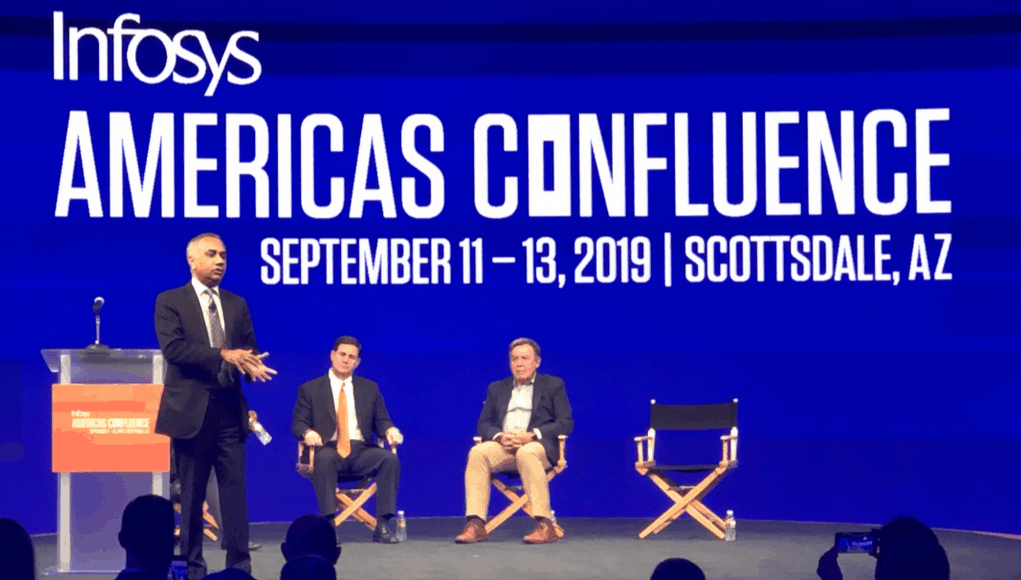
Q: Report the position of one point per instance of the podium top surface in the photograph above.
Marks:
(81, 355)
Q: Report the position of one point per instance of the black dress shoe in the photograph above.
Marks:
(252, 546)
(382, 535)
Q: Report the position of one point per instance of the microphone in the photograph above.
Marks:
(97, 305)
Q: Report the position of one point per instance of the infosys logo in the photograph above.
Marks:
(206, 66)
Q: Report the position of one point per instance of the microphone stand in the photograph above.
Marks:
(96, 346)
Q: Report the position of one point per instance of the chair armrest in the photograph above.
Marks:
(650, 443)
(563, 450)
(305, 468)
(381, 443)
(729, 448)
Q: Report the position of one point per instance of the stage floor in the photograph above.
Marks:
(598, 549)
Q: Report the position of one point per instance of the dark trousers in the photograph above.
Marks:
(218, 446)
(363, 460)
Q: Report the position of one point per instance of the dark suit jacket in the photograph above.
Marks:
(193, 365)
(315, 409)
(551, 411)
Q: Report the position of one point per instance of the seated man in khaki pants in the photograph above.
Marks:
(521, 420)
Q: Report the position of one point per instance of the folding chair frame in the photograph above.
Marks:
(349, 500)
(210, 527)
(687, 498)
(521, 502)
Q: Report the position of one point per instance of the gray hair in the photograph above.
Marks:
(191, 243)
(520, 341)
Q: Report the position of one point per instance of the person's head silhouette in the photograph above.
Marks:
(311, 567)
(230, 574)
(677, 569)
(915, 558)
(311, 534)
(147, 533)
(16, 551)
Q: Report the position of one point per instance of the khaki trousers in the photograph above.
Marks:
(490, 457)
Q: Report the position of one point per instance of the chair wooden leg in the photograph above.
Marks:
(359, 514)
(518, 502)
(664, 484)
(689, 503)
(207, 518)
(706, 523)
(708, 513)
(662, 521)
(354, 506)
(503, 516)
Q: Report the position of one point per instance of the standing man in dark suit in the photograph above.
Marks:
(346, 446)
(208, 342)
(520, 424)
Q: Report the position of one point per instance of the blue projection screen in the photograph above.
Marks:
(817, 218)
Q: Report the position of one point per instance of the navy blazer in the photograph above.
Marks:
(551, 411)
(193, 365)
(315, 410)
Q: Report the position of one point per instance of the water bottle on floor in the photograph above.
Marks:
(730, 534)
(402, 526)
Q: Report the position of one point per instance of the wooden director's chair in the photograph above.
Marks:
(688, 498)
(349, 499)
(511, 491)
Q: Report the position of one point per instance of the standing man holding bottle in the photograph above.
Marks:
(208, 340)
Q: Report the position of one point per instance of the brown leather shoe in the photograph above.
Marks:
(542, 534)
(474, 532)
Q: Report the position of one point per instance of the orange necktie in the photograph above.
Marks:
(343, 437)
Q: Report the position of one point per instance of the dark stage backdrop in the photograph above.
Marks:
(812, 208)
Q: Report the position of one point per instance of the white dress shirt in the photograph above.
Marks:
(204, 298)
(352, 417)
(519, 409)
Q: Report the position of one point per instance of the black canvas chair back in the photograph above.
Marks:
(693, 417)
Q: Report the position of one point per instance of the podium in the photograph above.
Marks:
(105, 450)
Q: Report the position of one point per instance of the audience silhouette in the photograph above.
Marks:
(311, 535)
(16, 552)
(229, 574)
(147, 536)
(917, 549)
(677, 569)
(917, 558)
(311, 567)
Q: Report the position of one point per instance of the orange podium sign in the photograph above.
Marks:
(108, 428)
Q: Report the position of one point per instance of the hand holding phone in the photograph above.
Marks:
(178, 569)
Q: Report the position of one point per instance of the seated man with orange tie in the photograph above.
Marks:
(345, 445)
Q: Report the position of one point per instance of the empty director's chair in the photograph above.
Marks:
(349, 499)
(512, 487)
(688, 498)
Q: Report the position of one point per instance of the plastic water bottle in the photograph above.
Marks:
(261, 433)
(402, 526)
(731, 532)
(553, 517)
